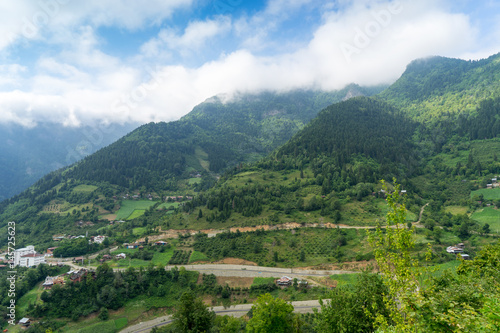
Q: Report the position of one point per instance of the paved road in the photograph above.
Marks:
(234, 311)
(256, 271)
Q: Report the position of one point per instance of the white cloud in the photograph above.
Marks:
(357, 41)
(195, 36)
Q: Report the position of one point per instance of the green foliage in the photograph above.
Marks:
(353, 308)
(392, 248)
(192, 315)
(270, 314)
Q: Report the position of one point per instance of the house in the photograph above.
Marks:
(132, 246)
(25, 322)
(28, 257)
(78, 260)
(105, 258)
(51, 281)
(489, 185)
(98, 239)
(32, 260)
(454, 249)
(121, 256)
(465, 256)
(285, 281)
(77, 276)
(50, 250)
(161, 243)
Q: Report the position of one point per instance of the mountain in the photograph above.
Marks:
(214, 136)
(340, 154)
(27, 154)
(438, 88)
(176, 158)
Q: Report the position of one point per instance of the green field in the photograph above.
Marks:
(167, 205)
(85, 189)
(260, 281)
(192, 181)
(345, 279)
(136, 213)
(488, 193)
(488, 215)
(456, 210)
(128, 207)
(198, 256)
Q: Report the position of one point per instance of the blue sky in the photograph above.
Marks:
(81, 62)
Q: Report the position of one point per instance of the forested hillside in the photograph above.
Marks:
(342, 153)
(181, 157)
(212, 137)
(436, 88)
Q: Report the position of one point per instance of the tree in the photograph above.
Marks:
(192, 315)
(104, 315)
(486, 228)
(392, 249)
(302, 255)
(270, 315)
(353, 309)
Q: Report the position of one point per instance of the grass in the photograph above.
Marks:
(488, 215)
(198, 256)
(345, 279)
(202, 157)
(456, 210)
(136, 213)
(84, 189)
(128, 206)
(162, 258)
(258, 281)
(167, 205)
(488, 193)
(192, 181)
(120, 323)
(31, 297)
(101, 327)
(138, 231)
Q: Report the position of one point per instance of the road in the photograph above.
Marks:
(257, 271)
(238, 310)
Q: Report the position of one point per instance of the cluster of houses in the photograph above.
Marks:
(458, 249)
(82, 224)
(178, 198)
(97, 239)
(73, 276)
(494, 183)
(107, 257)
(58, 238)
(140, 245)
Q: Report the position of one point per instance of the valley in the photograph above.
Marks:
(346, 197)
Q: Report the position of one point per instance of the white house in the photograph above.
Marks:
(27, 257)
(32, 259)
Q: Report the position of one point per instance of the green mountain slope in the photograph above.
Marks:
(437, 87)
(212, 137)
(341, 154)
(173, 158)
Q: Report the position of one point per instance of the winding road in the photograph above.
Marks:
(238, 310)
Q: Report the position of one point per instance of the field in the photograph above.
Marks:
(128, 207)
(198, 256)
(456, 210)
(84, 189)
(167, 205)
(488, 215)
(488, 193)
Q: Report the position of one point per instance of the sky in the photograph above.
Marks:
(87, 62)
